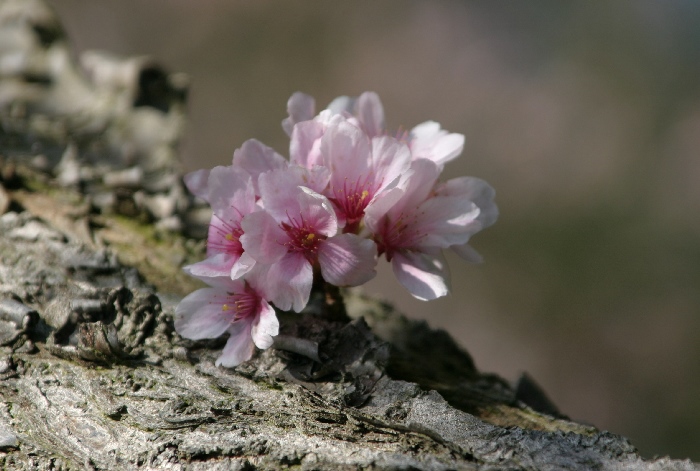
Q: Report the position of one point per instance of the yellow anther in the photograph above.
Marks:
(365, 194)
(229, 236)
(225, 307)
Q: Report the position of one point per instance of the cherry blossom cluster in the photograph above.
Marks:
(349, 193)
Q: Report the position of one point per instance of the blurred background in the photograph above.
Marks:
(585, 117)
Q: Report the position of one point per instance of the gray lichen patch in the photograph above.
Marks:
(159, 415)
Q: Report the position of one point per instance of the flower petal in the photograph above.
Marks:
(445, 220)
(346, 152)
(239, 347)
(380, 207)
(258, 279)
(223, 233)
(231, 192)
(256, 158)
(416, 184)
(341, 105)
(242, 266)
(200, 316)
(196, 182)
(216, 265)
(300, 107)
(390, 160)
(347, 260)
(317, 211)
(285, 196)
(370, 113)
(468, 253)
(425, 276)
(262, 237)
(265, 326)
(428, 141)
(421, 182)
(224, 284)
(476, 190)
(305, 144)
(290, 282)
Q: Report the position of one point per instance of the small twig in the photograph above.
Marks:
(303, 347)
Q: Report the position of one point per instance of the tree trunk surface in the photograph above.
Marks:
(95, 226)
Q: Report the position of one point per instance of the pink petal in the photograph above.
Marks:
(199, 316)
(379, 207)
(391, 161)
(217, 265)
(231, 191)
(262, 237)
(370, 113)
(317, 211)
(315, 178)
(258, 279)
(278, 190)
(418, 186)
(445, 221)
(256, 158)
(265, 326)
(285, 195)
(223, 223)
(476, 190)
(347, 260)
(424, 133)
(428, 141)
(224, 284)
(305, 145)
(196, 182)
(300, 107)
(341, 105)
(425, 276)
(240, 346)
(346, 152)
(468, 253)
(290, 282)
(242, 266)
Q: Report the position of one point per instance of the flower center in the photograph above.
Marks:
(399, 234)
(401, 134)
(224, 237)
(240, 306)
(352, 199)
(302, 237)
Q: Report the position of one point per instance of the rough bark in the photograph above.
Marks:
(94, 227)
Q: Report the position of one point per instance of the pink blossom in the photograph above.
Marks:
(426, 140)
(298, 232)
(196, 182)
(256, 158)
(362, 170)
(305, 143)
(300, 107)
(234, 306)
(481, 194)
(230, 192)
(429, 141)
(417, 220)
(305, 129)
(366, 111)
